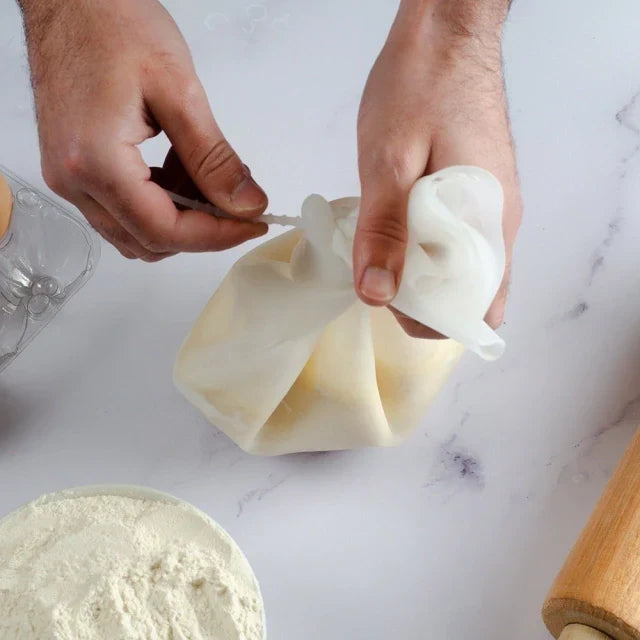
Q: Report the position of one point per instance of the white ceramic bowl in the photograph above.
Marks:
(140, 493)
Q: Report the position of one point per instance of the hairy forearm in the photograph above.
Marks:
(37, 12)
(472, 13)
(463, 19)
(453, 31)
(47, 27)
(38, 17)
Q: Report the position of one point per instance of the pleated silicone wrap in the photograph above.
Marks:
(285, 357)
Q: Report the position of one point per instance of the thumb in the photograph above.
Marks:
(207, 156)
(381, 237)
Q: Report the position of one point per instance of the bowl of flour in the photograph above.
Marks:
(123, 562)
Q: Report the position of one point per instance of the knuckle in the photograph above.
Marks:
(118, 236)
(151, 232)
(76, 162)
(388, 164)
(155, 243)
(217, 159)
(191, 91)
(161, 63)
(398, 165)
(388, 229)
(187, 99)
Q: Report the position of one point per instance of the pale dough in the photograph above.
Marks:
(286, 358)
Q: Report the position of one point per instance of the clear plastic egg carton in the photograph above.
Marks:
(46, 255)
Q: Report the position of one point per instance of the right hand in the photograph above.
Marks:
(107, 75)
(435, 98)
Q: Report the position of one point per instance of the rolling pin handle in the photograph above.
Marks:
(580, 632)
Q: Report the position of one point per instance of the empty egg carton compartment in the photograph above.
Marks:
(46, 255)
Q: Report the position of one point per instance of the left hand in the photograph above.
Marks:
(435, 98)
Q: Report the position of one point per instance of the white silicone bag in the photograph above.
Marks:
(285, 357)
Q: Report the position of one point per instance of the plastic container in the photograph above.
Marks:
(46, 255)
(141, 493)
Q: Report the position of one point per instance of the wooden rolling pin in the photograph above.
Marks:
(596, 595)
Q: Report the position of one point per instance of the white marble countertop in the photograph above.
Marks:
(458, 533)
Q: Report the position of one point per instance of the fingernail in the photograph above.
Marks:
(248, 196)
(378, 285)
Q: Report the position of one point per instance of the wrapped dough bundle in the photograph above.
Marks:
(285, 358)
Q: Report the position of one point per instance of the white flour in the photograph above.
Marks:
(116, 568)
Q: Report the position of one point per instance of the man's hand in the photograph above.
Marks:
(435, 98)
(107, 75)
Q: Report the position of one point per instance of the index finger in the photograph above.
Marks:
(125, 189)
